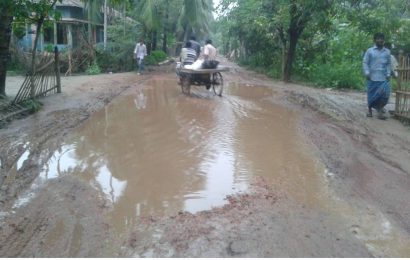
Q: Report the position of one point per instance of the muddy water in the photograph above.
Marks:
(158, 151)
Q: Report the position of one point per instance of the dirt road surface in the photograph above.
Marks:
(126, 165)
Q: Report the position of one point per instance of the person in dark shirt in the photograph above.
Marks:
(196, 46)
(188, 54)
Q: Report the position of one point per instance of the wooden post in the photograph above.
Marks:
(401, 67)
(55, 30)
(57, 69)
(55, 33)
(399, 79)
(70, 36)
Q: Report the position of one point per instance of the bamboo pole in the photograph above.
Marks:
(57, 69)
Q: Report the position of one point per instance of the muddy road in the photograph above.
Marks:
(127, 165)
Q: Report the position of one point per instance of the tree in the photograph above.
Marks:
(292, 17)
(21, 10)
(40, 11)
(175, 18)
(8, 9)
(150, 16)
(195, 17)
(113, 3)
(93, 9)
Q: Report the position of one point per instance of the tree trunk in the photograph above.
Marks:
(5, 35)
(164, 39)
(90, 26)
(242, 51)
(290, 55)
(154, 40)
(297, 24)
(105, 24)
(284, 57)
(33, 57)
(125, 16)
(55, 40)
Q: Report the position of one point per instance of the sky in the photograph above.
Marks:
(216, 2)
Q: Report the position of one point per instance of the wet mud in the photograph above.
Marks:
(157, 152)
(254, 173)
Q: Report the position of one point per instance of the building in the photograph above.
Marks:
(68, 32)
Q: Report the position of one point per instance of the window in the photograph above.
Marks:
(48, 35)
(62, 34)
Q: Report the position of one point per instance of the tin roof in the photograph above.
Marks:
(76, 3)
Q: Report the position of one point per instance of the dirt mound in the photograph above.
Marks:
(260, 224)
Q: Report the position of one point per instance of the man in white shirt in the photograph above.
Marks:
(209, 51)
(209, 58)
(140, 52)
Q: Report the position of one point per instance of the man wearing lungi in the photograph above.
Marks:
(377, 69)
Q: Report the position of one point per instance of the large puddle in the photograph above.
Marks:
(158, 151)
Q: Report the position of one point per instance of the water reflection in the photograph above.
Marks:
(62, 161)
(141, 100)
(111, 186)
(24, 156)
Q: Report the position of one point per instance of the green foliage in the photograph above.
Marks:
(33, 105)
(159, 56)
(150, 60)
(333, 35)
(23, 10)
(177, 19)
(19, 30)
(93, 69)
(49, 48)
(342, 76)
(155, 57)
(120, 48)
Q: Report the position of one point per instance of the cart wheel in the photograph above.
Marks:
(217, 83)
(185, 85)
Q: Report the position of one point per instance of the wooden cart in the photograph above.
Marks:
(210, 78)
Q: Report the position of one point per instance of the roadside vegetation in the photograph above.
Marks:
(318, 42)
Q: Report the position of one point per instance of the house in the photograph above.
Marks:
(68, 31)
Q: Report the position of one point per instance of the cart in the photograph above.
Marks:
(202, 77)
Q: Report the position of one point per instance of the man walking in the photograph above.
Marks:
(377, 69)
(140, 52)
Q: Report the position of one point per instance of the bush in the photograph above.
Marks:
(49, 48)
(33, 105)
(93, 69)
(119, 54)
(155, 57)
(159, 55)
(274, 72)
(342, 76)
(150, 60)
(116, 58)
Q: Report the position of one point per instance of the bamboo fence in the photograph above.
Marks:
(43, 81)
(402, 110)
